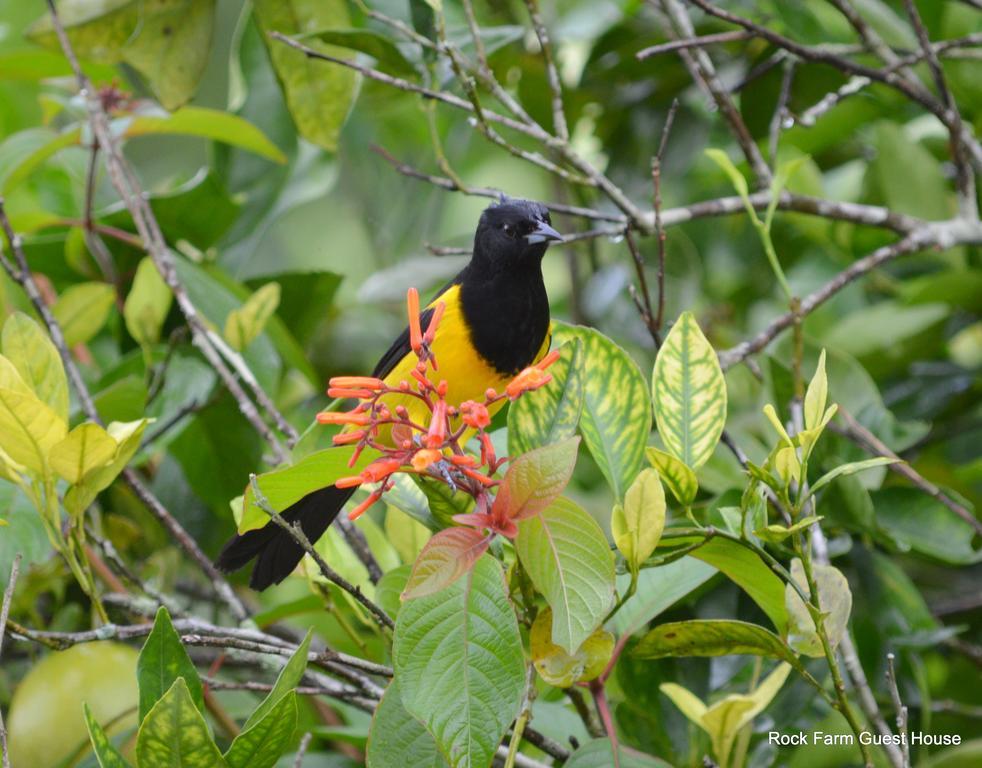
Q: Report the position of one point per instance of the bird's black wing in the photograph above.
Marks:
(401, 347)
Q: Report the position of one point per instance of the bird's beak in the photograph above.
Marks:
(542, 233)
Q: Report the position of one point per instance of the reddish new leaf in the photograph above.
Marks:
(536, 479)
(445, 558)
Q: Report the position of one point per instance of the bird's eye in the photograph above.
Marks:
(509, 230)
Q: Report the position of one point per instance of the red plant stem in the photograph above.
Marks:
(603, 709)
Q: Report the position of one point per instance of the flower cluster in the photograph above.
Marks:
(434, 446)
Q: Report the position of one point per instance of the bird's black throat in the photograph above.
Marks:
(507, 313)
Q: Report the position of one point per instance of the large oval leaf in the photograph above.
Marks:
(616, 417)
(163, 660)
(318, 94)
(397, 740)
(689, 393)
(599, 753)
(637, 524)
(566, 554)
(459, 662)
(552, 413)
(260, 745)
(37, 361)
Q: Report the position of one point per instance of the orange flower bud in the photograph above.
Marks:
(361, 394)
(463, 460)
(357, 382)
(490, 393)
(474, 414)
(526, 381)
(363, 507)
(412, 309)
(347, 438)
(442, 387)
(434, 322)
(380, 469)
(348, 482)
(483, 479)
(438, 425)
(548, 360)
(425, 457)
(330, 417)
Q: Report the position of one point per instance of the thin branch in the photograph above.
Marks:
(691, 42)
(656, 166)
(872, 444)
(297, 534)
(780, 111)
(302, 749)
(8, 596)
(899, 708)
(552, 74)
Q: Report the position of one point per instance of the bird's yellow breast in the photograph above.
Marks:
(467, 374)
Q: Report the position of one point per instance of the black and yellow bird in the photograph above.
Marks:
(495, 323)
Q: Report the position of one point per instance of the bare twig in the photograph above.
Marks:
(780, 111)
(297, 534)
(302, 749)
(656, 166)
(899, 708)
(552, 74)
(692, 42)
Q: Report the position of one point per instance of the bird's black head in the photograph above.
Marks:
(513, 233)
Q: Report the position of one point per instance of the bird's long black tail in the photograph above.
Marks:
(275, 551)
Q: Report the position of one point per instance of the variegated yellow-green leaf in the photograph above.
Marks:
(562, 669)
(834, 600)
(552, 413)
(689, 394)
(82, 310)
(318, 94)
(681, 480)
(147, 304)
(244, 324)
(37, 361)
(637, 524)
(85, 448)
(28, 429)
(175, 734)
(850, 469)
(616, 417)
(816, 395)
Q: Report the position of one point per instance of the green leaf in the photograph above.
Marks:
(262, 744)
(460, 665)
(570, 563)
(817, 395)
(37, 361)
(84, 449)
(834, 600)
(388, 591)
(283, 487)
(616, 417)
(552, 413)
(535, 479)
(447, 556)
(689, 394)
(850, 469)
(396, 739)
(317, 93)
(127, 436)
(147, 304)
(637, 525)
(106, 754)
(898, 161)
(207, 124)
(379, 47)
(82, 310)
(443, 501)
(599, 753)
(748, 572)
(713, 637)
(97, 30)
(562, 669)
(288, 679)
(883, 327)
(40, 145)
(164, 660)
(244, 324)
(681, 480)
(925, 525)
(775, 533)
(28, 429)
(174, 734)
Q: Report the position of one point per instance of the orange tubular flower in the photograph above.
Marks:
(463, 460)
(379, 470)
(526, 381)
(361, 394)
(548, 360)
(434, 322)
(352, 481)
(347, 438)
(412, 308)
(474, 414)
(425, 458)
(330, 417)
(357, 382)
(363, 507)
(438, 425)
